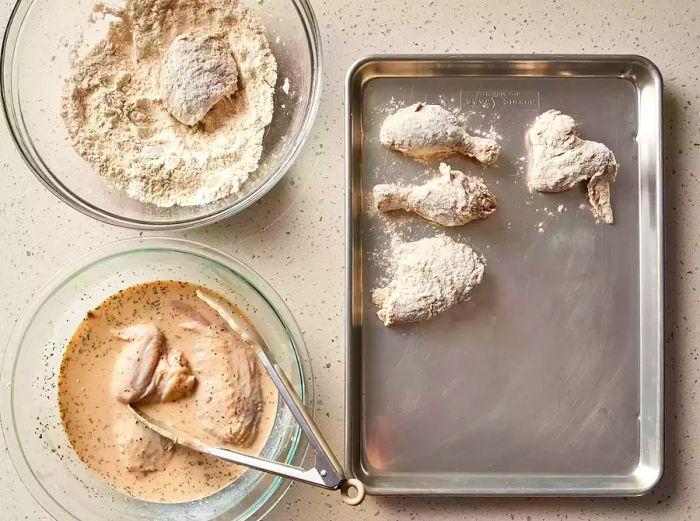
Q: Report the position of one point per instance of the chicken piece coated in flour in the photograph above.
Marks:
(453, 199)
(145, 371)
(432, 132)
(560, 159)
(228, 402)
(197, 72)
(429, 277)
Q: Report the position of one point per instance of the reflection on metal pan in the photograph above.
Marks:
(549, 380)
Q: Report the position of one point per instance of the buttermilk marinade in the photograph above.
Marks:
(187, 340)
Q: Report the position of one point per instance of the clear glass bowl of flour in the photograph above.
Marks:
(36, 59)
(36, 441)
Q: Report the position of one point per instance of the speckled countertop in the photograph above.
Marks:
(294, 236)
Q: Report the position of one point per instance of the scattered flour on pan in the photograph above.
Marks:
(390, 106)
(117, 120)
(491, 133)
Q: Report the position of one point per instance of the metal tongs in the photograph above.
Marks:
(326, 472)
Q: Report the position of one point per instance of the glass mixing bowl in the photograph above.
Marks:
(37, 443)
(36, 55)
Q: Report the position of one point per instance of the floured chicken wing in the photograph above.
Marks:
(229, 398)
(429, 277)
(141, 449)
(560, 159)
(146, 372)
(432, 132)
(453, 199)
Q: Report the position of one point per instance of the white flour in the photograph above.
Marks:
(118, 122)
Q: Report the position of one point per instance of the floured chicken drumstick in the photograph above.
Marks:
(429, 277)
(146, 372)
(197, 72)
(140, 448)
(229, 399)
(433, 132)
(453, 199)
(560, 159)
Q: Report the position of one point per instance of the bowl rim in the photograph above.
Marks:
(23, 142)
(299, 444)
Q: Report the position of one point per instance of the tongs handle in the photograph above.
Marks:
(326, 464)
(327, 471)
(310, 476)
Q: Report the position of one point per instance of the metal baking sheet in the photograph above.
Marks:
(549, 380)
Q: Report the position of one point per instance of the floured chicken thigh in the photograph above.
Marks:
(146, 372)
(453, 199)
(433, 132)
(560, 159)
(229, 398)
(140, 448)
(197, 72)
(429, 277)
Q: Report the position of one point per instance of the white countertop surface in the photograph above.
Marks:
(294, 237)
